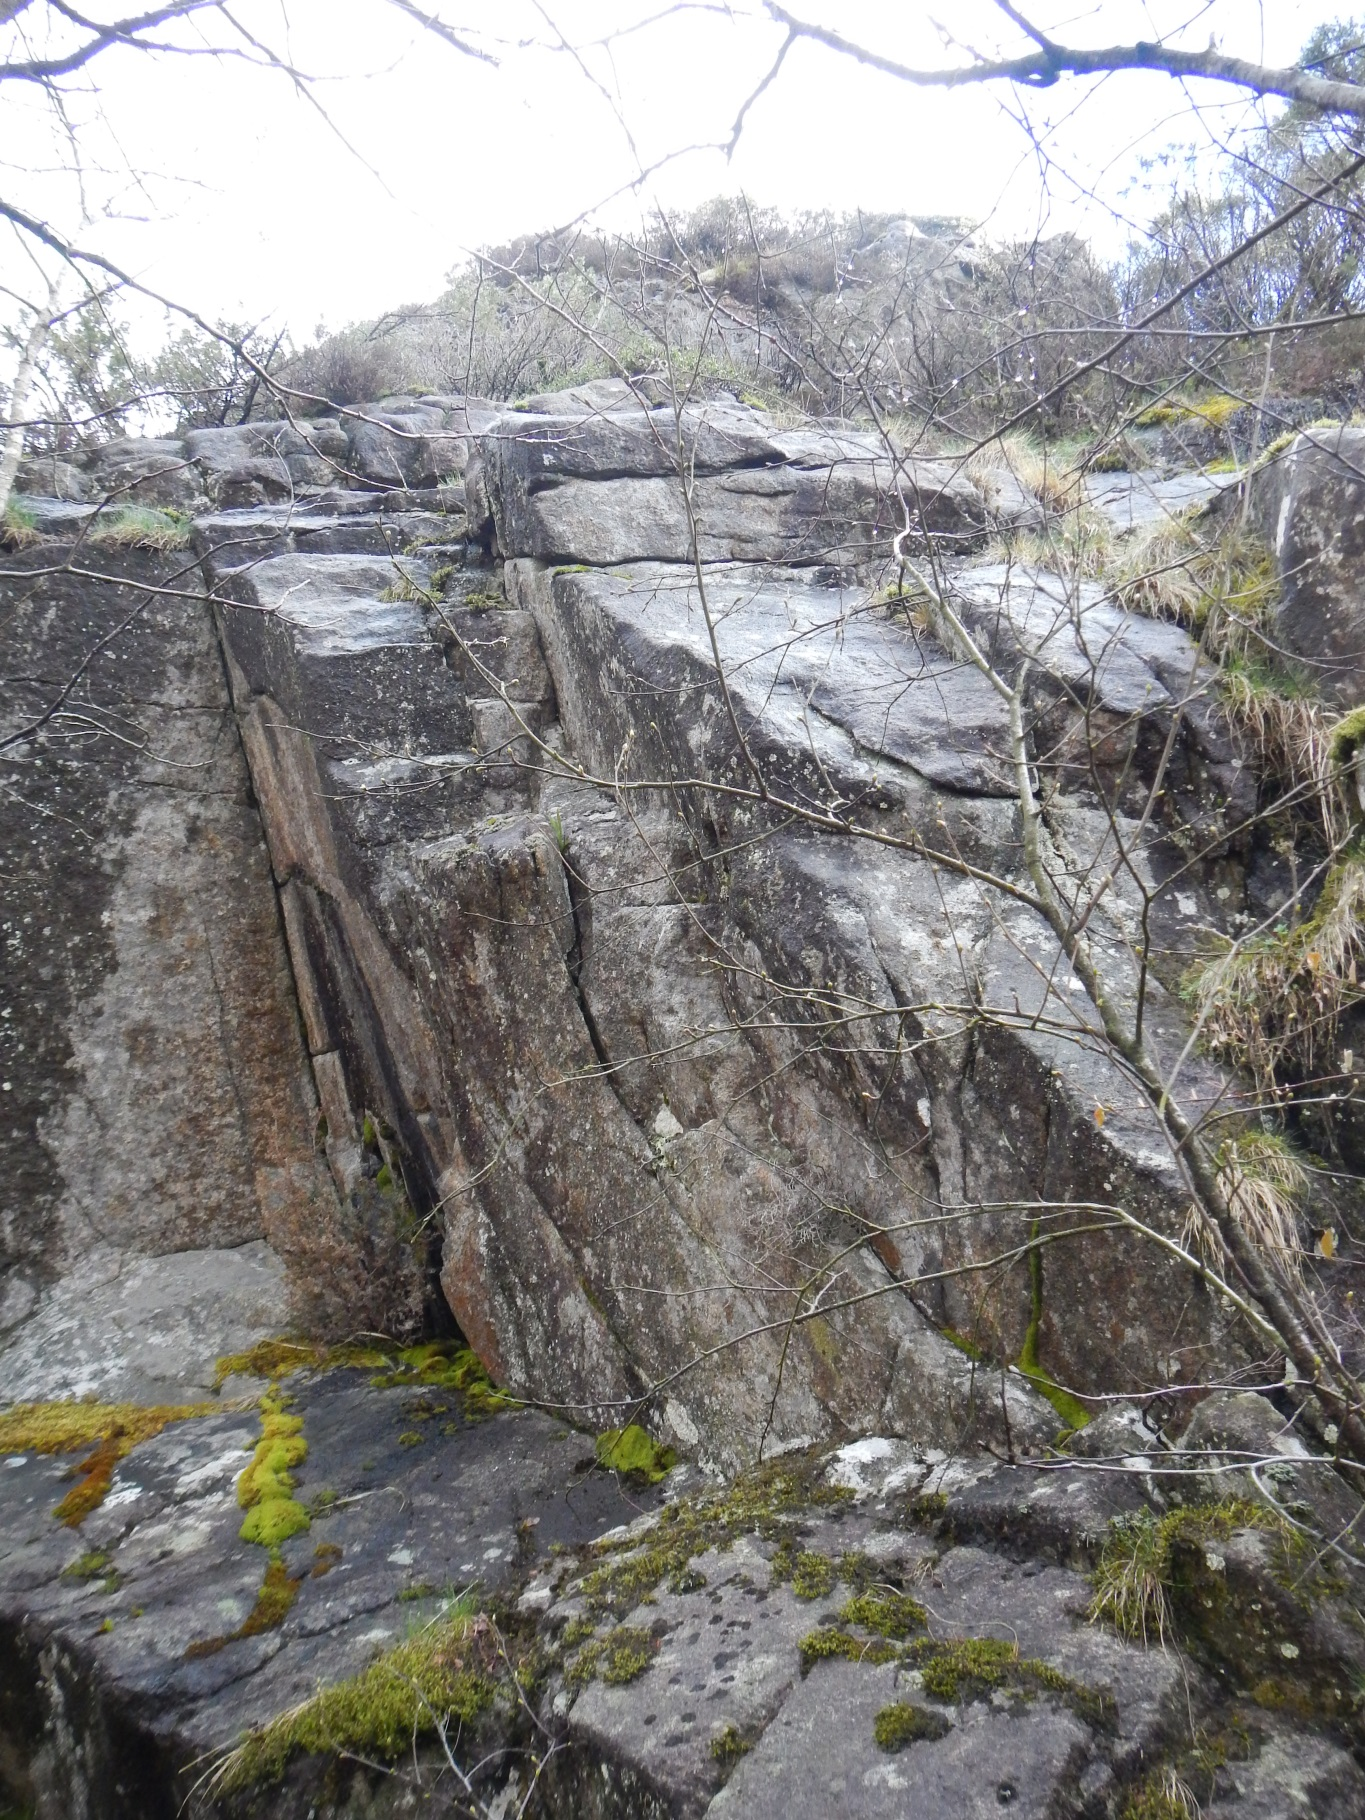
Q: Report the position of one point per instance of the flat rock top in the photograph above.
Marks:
(822, 670)
(411, 1505)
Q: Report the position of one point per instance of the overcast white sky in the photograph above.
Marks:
(254, 205)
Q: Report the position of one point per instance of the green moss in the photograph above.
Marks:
(446, 1673)
(265, 1488)
(277, 1359)
(901, 1724)
(423, 1590)
(1345, 737)
(441, 1365)
(273, 1522)
(1215, 410)
(964, 1344)
(973, 1668)
(631, 1451)
(621, 1656)
(889, 1614)
(1071, 1410)
(728, 1746)
(828, 1644)
(811, 1574)
(94, 1564)
(1135, 1575)
(768, 1501)
(573, 568)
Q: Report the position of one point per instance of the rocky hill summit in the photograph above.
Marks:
(575, 1240)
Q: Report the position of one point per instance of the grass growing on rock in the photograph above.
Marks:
(140, 528)
(1136, 1570)
(1277, 1002)
(113, 1429)
(449, 1671)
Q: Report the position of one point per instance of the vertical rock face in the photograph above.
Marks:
(159, 1171)
(1310, 501)
(657, 1081)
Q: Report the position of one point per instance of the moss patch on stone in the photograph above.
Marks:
(265, 1490)
(887, 1613)
(620, 1657)
(634, 1453)
(768, 1501)
(441, 1366)
(903, 1723)
(1135, 1575)
(828, 1644)
(977, 1668)
(810, 1573)
(114, 1429)
(448, 1672)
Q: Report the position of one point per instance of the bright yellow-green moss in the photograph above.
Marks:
(114, 1429)
(441, 1366)
(630, 1450)
(265, 1489)
(1214, 411)
(442, 1675)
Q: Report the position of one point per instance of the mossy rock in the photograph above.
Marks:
(903, 1723)
(633, 1453)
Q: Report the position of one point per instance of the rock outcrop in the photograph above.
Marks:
(536, 873)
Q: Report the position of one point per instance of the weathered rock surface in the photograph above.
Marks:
(1310, 502)
(157, 1100)
(123, 1679)
(447, 902)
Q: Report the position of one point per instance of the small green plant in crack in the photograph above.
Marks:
(728, 1746)
(903, 1723)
